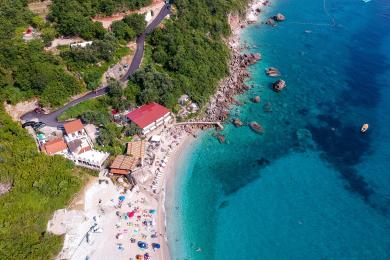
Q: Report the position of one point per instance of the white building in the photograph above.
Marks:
(150, 117)
(81, 146)
(81, 44)
(91, 159)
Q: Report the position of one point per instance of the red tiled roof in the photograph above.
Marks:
(54, 146)
(73, 126)
(119, 171)
(147, 114)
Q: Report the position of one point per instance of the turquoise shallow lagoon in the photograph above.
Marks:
(313, 186)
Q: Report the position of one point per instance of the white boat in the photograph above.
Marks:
(364, 128)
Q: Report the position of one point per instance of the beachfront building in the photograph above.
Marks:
(91, 159)
(123, 165)
(55, 147)
(81, 146)
(74, 130)
(76, 146)
(150, 117)
(136, 149)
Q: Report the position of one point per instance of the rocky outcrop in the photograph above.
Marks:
(256, 99)
(279, 17)
(256, 127)
(279, 85)
(237, 122)
(276, 18)
(271, 22)
(219, 105)
(220, 137)
(272, 72)
(5, 187)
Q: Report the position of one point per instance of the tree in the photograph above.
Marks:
(136, 22)
(123, 31)
(115, 89)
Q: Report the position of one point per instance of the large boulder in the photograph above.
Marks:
(279, 85)
(256, 99)
(279, 17)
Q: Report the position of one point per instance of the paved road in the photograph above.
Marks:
(51, 119)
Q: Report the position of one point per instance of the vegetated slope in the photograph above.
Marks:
(26, 70)
(188, 53)
(40, 185)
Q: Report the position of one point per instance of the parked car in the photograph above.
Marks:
(61, 127)
(28, 123)
(39, 125)
(38, 110)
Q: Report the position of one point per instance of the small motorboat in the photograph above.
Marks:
(364, 128)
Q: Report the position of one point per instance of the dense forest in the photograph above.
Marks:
(72, 17)
(25, 69)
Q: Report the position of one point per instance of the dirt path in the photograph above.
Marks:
(155, 7)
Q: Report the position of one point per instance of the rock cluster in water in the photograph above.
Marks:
(218, 109)
(237, 122)
(256, 127)
(279, 85)
(276, 18)
(256, 99)
(272, 72)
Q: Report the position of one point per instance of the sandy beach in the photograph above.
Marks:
(109, 222)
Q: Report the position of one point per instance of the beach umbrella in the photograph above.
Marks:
(122, 198)
(156, 245)
(142, 245)
(130, 214)
(152, 211)
(138, 257)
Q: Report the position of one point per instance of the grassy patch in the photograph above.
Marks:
(99, 104)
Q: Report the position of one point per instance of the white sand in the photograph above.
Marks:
(114, 229)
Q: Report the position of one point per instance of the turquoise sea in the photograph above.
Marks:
(313, 186)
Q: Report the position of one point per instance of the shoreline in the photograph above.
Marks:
(219, 104)
(168, 190)
(234, 84)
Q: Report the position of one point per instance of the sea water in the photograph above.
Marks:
(312, 186)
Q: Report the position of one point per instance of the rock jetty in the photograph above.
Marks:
(279, 85)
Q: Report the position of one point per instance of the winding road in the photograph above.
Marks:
(51, 118)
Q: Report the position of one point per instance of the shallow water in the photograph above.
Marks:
(311, 187)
